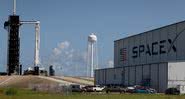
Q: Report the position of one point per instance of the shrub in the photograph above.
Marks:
(10, 91)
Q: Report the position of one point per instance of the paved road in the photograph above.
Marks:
(75, 80)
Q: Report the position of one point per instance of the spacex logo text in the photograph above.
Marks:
(155, 48)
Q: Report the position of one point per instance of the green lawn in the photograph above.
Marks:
(26, 94)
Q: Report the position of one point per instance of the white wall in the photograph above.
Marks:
(176, 74)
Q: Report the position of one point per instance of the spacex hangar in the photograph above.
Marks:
(154, 58)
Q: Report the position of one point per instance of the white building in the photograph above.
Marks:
(155, 58)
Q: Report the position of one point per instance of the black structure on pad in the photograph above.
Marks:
(12, 26)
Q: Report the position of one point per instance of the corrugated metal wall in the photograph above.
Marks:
(135, 75)
(160, 45)
(163, 77)
(154, 76)
(139, 74)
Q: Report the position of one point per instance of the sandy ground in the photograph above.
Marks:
(26, 81)
(23, 81)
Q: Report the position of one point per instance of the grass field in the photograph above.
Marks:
(26, 94)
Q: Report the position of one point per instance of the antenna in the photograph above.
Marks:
(14, 7)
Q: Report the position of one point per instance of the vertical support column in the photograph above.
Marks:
(13, 45)
(20, 69)
(92, 60)
(37, 44)
(14, 7)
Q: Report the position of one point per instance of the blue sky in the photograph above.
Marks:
(72, 21)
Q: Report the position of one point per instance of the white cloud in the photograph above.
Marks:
(67, 61)
(110, 63)
(56, 51)
(63, 45)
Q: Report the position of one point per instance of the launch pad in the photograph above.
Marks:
(13, 54)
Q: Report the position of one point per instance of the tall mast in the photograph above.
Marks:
(14, 7)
